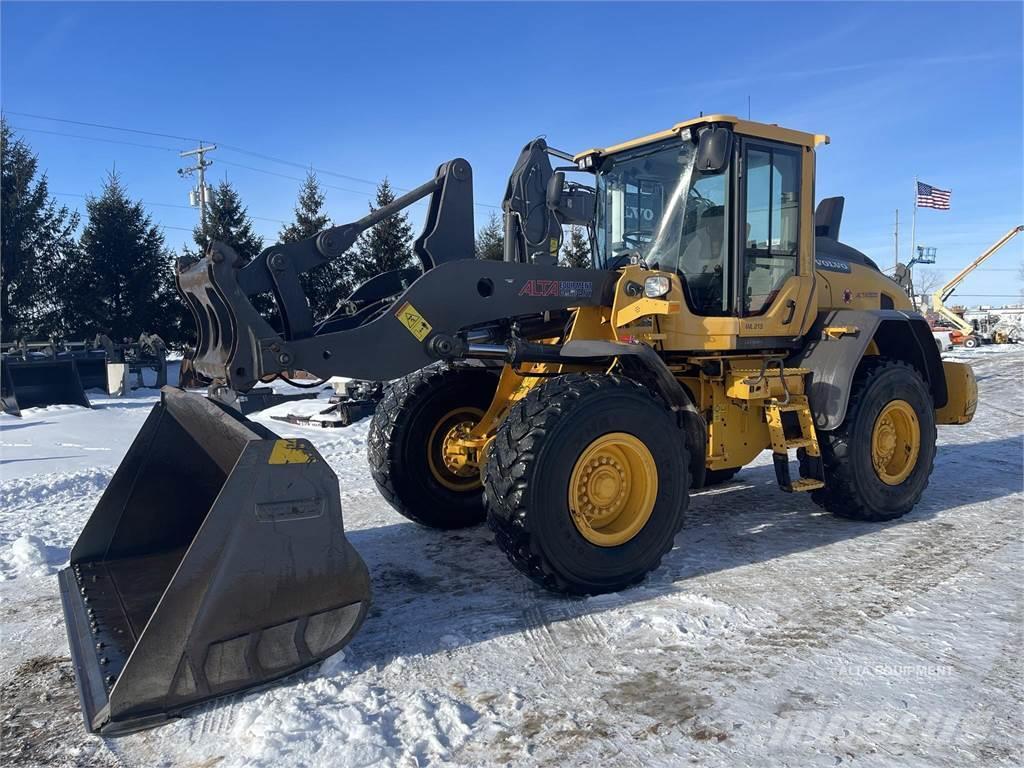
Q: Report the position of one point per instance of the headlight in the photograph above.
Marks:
(656, 285)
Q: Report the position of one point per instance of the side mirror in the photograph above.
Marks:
(554, 192)
(713, 149)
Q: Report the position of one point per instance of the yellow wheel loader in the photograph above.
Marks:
(572, 408)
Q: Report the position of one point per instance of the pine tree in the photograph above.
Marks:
(121, 279)
(490, 240)
(37, 237)
(576, 253)
(385, 246)
(227, 221)
(326, 285)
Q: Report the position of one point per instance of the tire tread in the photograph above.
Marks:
(508, 471)
(841, 495)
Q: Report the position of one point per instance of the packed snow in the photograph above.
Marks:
(772, 634)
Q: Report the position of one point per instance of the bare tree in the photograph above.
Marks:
(927, 281)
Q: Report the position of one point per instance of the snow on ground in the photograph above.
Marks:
(772, 633)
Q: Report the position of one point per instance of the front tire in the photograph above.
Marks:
(405, 441)
(586, 483)
(877, 463)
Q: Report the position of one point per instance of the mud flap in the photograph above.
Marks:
(37, 383)
(215, 561)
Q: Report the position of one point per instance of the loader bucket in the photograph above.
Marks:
(215, 561)
(92, 370)
(35, 383)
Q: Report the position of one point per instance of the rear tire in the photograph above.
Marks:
(854, 487)
(543, 451)
(971, 342)
(403, 444)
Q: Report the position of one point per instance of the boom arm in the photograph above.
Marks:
(397, 321)
(940, 296)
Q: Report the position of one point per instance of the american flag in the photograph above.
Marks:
(932, 197)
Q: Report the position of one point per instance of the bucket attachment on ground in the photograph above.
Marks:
(92, 370)
(215, 561)
(37, 383)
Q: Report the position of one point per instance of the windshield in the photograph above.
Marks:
(652, 203)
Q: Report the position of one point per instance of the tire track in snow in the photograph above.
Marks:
(547, 628)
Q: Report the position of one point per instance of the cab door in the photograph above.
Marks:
(774, 278)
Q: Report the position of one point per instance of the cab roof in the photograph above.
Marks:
(768, 131)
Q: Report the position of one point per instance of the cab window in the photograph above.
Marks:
(772, 224)
(655, 205)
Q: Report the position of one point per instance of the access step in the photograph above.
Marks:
(782, 444)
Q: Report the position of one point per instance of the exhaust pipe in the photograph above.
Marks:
(215, 561)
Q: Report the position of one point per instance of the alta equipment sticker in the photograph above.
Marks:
(571, 289)
(410, 317)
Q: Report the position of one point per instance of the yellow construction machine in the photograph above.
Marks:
(968, 334)
(573, 409)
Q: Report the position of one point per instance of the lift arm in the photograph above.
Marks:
(397, 321)
(940, 296)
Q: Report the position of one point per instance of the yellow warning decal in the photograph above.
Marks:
(290, 452)
(410, 317)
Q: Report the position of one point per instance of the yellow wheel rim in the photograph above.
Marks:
(895, 442)
(612, 489)
(440, 450)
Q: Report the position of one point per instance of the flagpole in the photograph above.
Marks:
(913, 242)
(913, 226)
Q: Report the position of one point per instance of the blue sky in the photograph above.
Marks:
(363, 90)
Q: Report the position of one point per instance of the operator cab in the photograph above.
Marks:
(725, 209)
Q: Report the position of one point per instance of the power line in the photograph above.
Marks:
(166, 205)
(192, 139)
(301, 165)
(170, 149)
(323, 184)
(230, 147)
(94, 138)
(101, 125)
(292, 178)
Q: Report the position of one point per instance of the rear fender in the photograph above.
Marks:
(833, 357)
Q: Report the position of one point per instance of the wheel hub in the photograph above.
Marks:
(895, 442)
(456, 455)
(612, 489)
(602, 489)
(452, 458)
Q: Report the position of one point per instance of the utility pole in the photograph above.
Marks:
(896, 238)
(201, 165)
